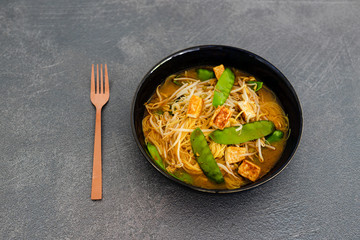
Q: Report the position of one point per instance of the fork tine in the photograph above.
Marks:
(97, 78)
(102, 80)
(106, 80)
(92, 90)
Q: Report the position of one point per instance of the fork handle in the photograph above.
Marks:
(96, 186)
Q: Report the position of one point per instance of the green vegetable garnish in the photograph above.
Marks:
(223, 87)
(249, 131)
(155, 155)
(204, 74)
(177, 83)
(204, 156)
(275, 136)
(173, 77)
(159, 112)
(256, 86)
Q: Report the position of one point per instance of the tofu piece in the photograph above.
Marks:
(233, 154)
(218, 70)
(221, 117)
(249, 170)
(195, 106)
(248, 111)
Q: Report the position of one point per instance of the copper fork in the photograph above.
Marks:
(99, 97)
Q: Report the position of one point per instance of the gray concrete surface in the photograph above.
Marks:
(47, 120)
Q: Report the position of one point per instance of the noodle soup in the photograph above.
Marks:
(215, 127)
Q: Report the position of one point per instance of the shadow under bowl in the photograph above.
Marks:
(213, 55)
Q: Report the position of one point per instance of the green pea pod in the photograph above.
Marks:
(183, 176)
(275, 136)
(155, 155)
(204, 156)
(223, 87)
(249, 131)
(255, 85)
(204, 74)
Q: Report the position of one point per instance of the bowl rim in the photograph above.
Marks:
(218, 47)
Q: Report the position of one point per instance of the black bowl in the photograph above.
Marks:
(213, 55)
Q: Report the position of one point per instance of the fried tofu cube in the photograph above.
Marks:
(247, 109)
(234, 154)
(249, 170)
(195, 106)
(218, 70)
(221, 117)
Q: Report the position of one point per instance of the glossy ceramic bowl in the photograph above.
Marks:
(231, 57)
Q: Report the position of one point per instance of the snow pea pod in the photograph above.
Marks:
(155, 155)
(275, 136)
(223, 87)
(249, 131)
(255, 85)
(204, 156)
(204, 74)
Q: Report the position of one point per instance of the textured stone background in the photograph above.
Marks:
(47, 120)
